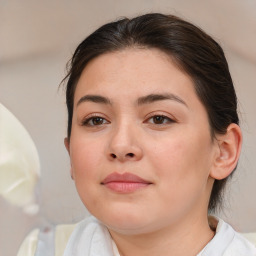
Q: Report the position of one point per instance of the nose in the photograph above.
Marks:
(124, 145)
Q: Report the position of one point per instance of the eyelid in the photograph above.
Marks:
(88, 117)
(160, 113)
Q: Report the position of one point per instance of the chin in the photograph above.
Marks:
(125, 222)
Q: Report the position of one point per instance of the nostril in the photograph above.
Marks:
(128, 155)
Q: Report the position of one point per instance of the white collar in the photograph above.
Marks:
(92, 238)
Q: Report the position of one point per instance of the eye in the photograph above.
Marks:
(94, 121)
(160, 119)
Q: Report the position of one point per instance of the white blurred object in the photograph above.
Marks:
(19, 163)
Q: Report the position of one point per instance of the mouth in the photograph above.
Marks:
(124, 183)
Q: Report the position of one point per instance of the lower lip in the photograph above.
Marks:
(125, 187)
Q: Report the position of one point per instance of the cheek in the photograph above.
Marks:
(181, 161)
(87, 164)
(86, 156)
(182, 174)
(169, 154)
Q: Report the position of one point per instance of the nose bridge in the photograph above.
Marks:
(124, 142)
(122, 135)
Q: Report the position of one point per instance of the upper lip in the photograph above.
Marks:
(124, 177)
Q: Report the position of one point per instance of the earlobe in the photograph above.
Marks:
(66, 143)
(226, 159)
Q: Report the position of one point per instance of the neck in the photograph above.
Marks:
(183, 238)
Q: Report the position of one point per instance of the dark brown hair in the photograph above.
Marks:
(193, 51)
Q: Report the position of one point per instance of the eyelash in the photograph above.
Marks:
(167, 119)
(87, 120)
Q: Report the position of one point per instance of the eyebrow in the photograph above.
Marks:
(141, 101)
(158, 97)
(95, 99)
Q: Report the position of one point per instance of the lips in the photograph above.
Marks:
(124, 183)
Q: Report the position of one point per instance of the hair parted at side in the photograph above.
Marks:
(191, 49)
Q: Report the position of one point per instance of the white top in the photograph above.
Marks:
(91, 238)
(227, 242)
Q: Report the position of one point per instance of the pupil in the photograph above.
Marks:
(158, 119)
(97, 120)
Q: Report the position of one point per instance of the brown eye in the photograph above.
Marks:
(97, 120)
(159, 119)
(94, 121)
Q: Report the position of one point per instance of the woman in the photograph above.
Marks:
(153, 136)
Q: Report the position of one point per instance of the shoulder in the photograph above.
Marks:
(61, 237)
(242, 244)
(239, 244)
(228, 242)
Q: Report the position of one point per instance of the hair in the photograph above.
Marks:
(192, 50)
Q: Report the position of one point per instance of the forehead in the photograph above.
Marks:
(134, 70)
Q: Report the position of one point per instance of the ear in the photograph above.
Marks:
(229, 148)
(66, 143)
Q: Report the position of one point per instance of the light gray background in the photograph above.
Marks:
(36, 40)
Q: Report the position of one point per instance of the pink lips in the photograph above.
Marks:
(124, 183)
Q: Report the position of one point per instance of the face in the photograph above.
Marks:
(140, 147)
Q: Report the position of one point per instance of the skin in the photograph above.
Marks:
(177, 154)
